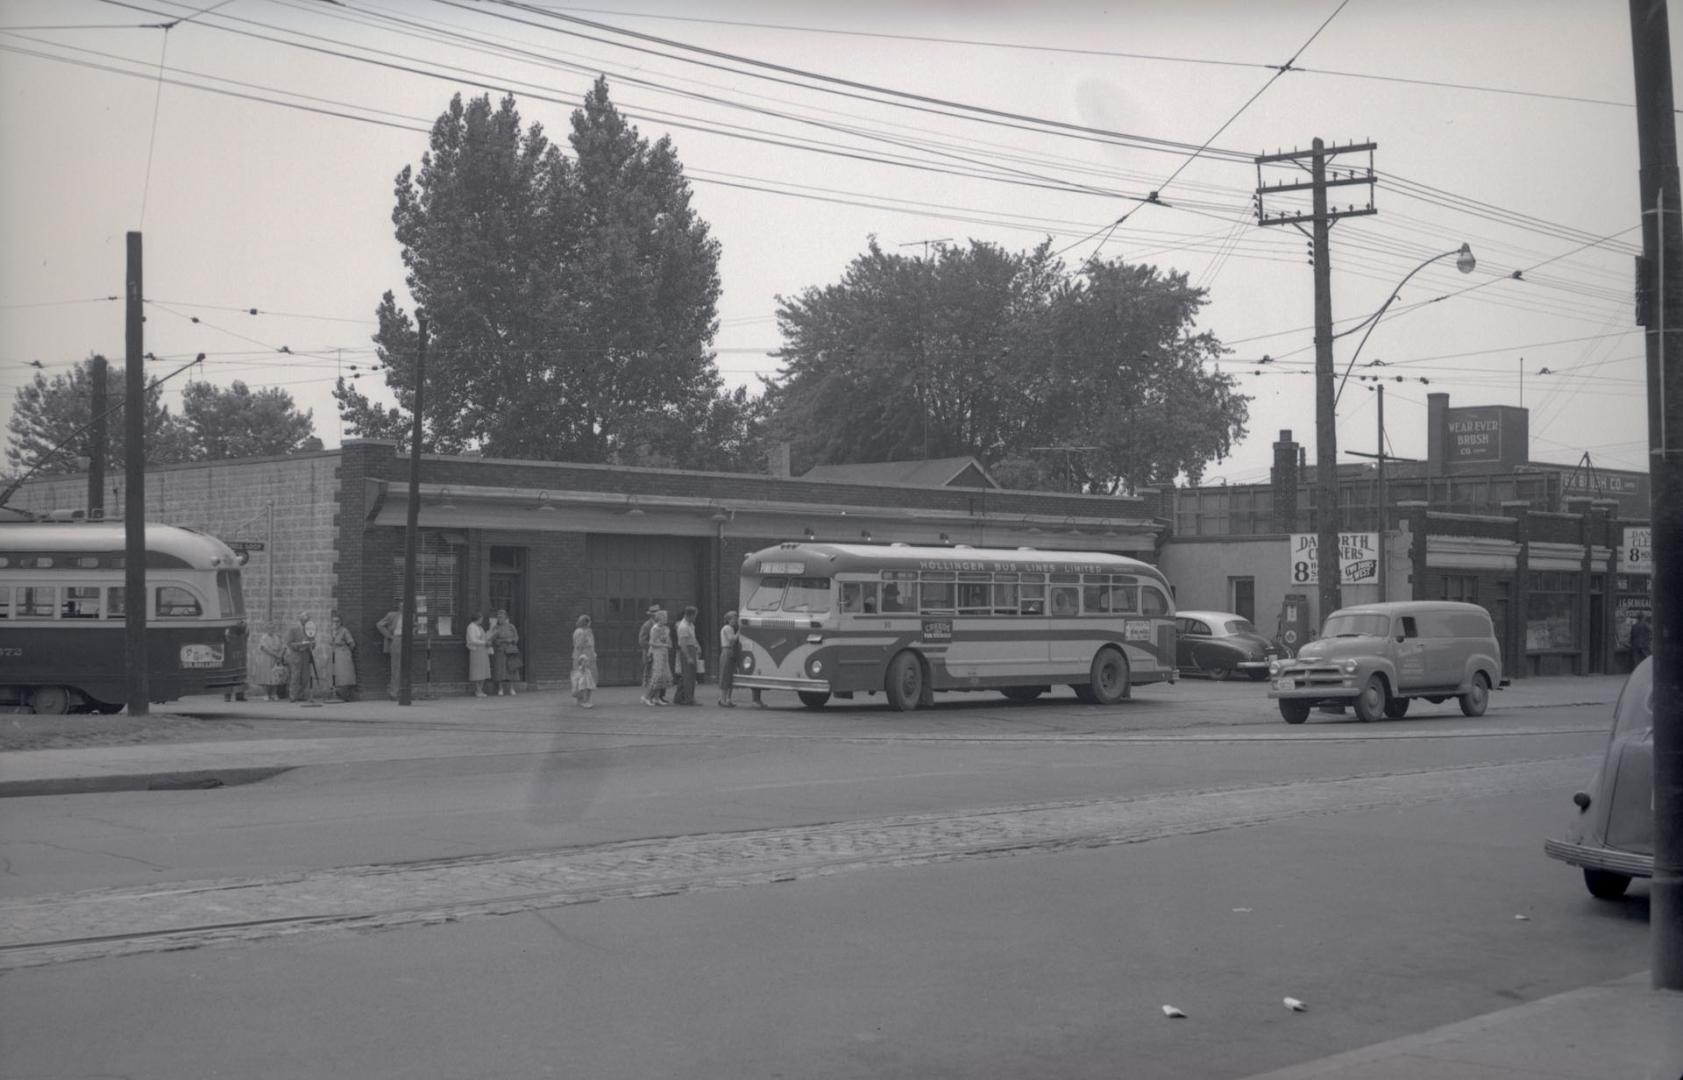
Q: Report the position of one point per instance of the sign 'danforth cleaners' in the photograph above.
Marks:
(1358, 559)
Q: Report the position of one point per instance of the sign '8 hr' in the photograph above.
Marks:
(1636, 550)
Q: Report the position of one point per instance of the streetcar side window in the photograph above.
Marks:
(5, 601)
(81, 602)
(114, 602)
(174, 602)
(37, 601)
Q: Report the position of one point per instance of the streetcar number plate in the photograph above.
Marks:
(195, 656)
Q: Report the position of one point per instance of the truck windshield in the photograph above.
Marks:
(1356, 624)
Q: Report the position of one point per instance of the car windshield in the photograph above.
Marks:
(1240, 626)
(1634, 714)
(1356, 624)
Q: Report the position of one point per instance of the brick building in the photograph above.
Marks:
(549, 541)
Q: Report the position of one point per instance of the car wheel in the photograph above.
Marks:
(905, 682)
(1474, 701)
(1293, 711)
(1218, 672)
(813, 699)
(1022, 695)
(1606, 885)
(1396, 708)
(1370, 706)
(1257, 676)
(1107, 679)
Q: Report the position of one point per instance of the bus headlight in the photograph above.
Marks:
(746, 664)
(815, 667)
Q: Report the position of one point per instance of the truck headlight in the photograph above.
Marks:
(1350, 667)
(1275, 667)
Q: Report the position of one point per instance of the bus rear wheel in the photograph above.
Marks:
(904, 685)
(50, 700)
(1107, 680)
(813, 699)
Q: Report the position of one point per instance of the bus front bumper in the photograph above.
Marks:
(772, 682)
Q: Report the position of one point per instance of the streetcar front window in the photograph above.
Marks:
(175, 602)
(228, 593)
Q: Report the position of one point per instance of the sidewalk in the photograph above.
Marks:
(1620, 1029)
(182, 744)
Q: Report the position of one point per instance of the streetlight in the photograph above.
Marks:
(1464, 262)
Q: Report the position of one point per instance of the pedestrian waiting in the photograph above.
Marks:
(504, 641)
(688, 658)
(584, 661)
(660, 661)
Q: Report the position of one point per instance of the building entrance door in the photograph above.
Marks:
(506, 590)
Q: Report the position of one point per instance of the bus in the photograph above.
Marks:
(829, 620)
(62, 599)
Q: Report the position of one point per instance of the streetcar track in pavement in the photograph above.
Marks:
(105, 923)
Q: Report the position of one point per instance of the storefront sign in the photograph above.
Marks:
(1358, 559)
(1475, 434)
(1636, 550)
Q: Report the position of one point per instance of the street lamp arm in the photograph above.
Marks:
(1464, 263)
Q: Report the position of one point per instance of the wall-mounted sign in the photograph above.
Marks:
(1358, 559)
(1475, 434)
(1636, 550)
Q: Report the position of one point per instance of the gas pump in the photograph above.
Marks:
(1294, 630)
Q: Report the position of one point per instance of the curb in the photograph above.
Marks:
(188, 780)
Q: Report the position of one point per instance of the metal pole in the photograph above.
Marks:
(412, 527)
(134, 494)
(1662, 241)
(1384, 508)
(97, 442)
(1326, 430)
(269, 566)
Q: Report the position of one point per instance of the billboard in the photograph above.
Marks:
(1475, 435)
(1358, 559)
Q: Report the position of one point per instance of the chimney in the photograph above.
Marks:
(1437, 433)
(1283, 477)
(777, 459)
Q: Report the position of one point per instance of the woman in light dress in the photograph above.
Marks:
(343, 663)
(504, 642)
(584, 661)
(660, 657)
(271, 666)
(479, 653)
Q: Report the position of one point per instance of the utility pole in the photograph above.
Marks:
(411, 531)
(1320, 217)
(96, 451)
(1661, 312)
(1384, 507)
(134, 489)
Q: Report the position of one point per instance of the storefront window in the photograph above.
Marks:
(438, 585)
(1551, 616)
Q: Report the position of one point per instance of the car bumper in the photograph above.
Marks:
(1595, 857)
(769, 682)
(1285, 687)
(1253, 665)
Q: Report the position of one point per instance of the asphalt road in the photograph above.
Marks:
(978, 890)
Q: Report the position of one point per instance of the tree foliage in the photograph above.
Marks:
(977, 350)
(214, 424)
(47, 412)
(570, 300)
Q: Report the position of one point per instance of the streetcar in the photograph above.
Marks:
(62, 599)
(834, 620)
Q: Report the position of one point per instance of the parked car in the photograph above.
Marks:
(1218, 643)
(1379, 657)
(1612, 834)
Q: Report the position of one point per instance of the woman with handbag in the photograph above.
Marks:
(506, 666)
(584, 662)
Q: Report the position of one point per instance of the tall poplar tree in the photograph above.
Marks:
(570, 300)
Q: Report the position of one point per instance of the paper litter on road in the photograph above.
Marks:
(1294, 1005)
(1173, 1013)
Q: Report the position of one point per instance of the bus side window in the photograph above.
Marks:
(1095, 599)
(1124, 598)
(37, 601)
(1152, 602)
(1004, 599)
(1034, 596)
(1064, 600)
(175, 602)
(81, 602)
(114, 602)
(898, 596)
(937, 596)
(973, 598)
(859, 597)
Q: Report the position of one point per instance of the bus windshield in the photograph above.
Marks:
(806, 595)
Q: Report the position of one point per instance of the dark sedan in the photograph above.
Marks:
(1218, 643)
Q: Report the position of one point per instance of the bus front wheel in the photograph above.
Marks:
(813, 699)
(905, 682)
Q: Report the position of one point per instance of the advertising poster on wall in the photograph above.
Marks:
(1636, 550)
(1358, 559)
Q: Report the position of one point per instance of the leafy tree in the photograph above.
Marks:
(569, 300)
(976, 350)
(47, 412)
(239, 422)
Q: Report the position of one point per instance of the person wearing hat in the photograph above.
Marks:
(301, 657)
(390, 627)
(643, 633)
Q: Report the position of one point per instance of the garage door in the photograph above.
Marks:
(623, 575)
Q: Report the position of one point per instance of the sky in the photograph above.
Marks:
(807, 128)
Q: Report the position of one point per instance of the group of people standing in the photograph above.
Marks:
(300, 663)
(671, 659)
(495, 662)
